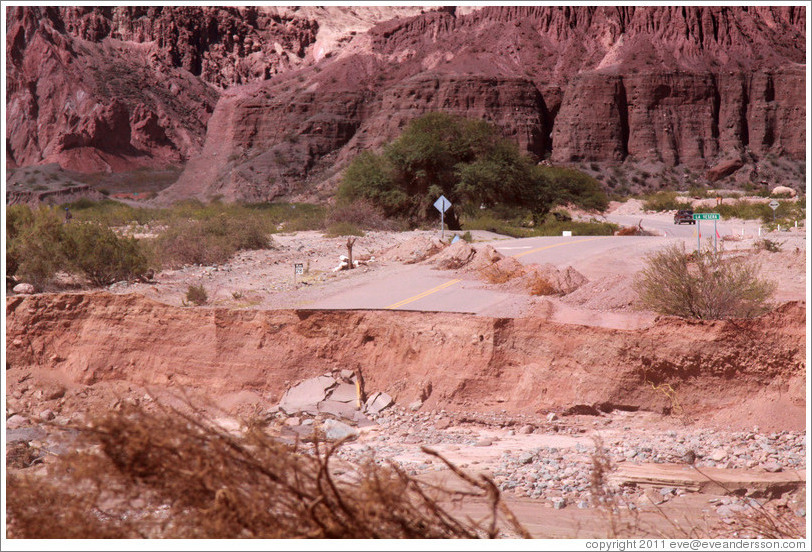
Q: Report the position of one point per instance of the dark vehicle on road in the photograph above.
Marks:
(684, 215)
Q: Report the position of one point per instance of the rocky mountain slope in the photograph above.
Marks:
(299, 93)
(106, 89)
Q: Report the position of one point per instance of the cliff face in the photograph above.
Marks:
(531, 364)
(104, 88)
(672, 85)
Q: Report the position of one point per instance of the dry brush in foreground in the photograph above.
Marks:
(169, 474)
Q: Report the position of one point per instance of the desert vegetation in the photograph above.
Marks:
(467, 161)
(164, 473)
(708, 285)
(98, 244)
(39, 244)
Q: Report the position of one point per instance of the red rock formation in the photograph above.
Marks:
(94, 106)
(672, 85)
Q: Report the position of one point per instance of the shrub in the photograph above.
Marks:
(627, 231)
(197, 295)
(705, 286)
(662, 201)
(577, 227)
(768, 245)
(696, 191)
(101, 255)
(210, 241)
(539, 285)
(37, 251)
(361, 213)
(343, 229)
(194, 479)
(470, 163)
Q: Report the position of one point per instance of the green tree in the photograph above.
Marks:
(470, 163)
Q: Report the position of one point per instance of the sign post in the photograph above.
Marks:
(774, 205)
(442, 205)
(298, 269)
(705, 216)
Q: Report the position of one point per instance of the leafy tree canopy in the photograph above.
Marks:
(470, 163)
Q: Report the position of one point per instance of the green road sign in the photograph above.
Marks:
(706, 216)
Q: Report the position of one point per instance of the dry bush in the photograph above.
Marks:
(705, 286)
(627, 231)
(635, 230)
(621, 522)
(499, 273)
(539, 285)
(768, 245)
(360, 213)
(169, 474)
(767, 522)
(209, 241)
(197, 295)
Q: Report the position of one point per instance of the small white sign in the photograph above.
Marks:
(442, 204)
(298, 268)
(567, 233)
(774, 205)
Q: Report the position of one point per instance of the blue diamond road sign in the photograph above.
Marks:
(442, 204)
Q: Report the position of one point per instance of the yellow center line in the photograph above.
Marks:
(452, 282)
(554, 245)
(424, 294)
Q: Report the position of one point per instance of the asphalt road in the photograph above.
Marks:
(664, 225)
(421, 287)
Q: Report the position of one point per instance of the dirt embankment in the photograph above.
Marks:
(463, 362)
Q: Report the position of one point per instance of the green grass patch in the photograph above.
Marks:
(518, 225)
(343, 229)
(662, 201)
(786, 213)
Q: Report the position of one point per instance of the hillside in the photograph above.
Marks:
(268, 104)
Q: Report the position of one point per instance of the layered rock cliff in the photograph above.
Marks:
(692, 86)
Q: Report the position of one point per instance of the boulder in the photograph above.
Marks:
(306, 395)
(24, 289)
(361, 420)
(772, 466)
(455, 256)
(378, 402)
(485, 256)
(335, 430)
(723, 169)
(337, 408)
(16, 421)
(344, 392)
